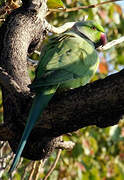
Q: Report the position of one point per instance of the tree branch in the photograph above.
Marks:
(7, 82)
(99, 103)
(5, 133)
(68, 145)
(60, 29)
(32, 62)
(81, 7)
(112, 43)
(53, 165)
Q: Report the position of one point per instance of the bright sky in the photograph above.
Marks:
(121, 3)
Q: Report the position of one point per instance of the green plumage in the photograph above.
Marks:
(68, 61)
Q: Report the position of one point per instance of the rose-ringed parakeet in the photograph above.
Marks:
(68, 61)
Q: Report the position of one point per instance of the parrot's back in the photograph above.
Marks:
(70, 61)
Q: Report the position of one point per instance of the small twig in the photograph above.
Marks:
(27, 166)
(20, 162)
(6, 156)
(53, 165)
(8, 7)
(37, 52)
(60, 29)
(10, 161)
(4, 162)
(32, 62)
(111, 44)
(81, 7)
(32, 170)
(37, 169)
(68, 145)
(1, 144)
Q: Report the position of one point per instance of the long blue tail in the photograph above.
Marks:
(39, 103)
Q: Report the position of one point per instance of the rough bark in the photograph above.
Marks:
(19, 35)
(100, 103)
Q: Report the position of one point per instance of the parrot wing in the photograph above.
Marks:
(68, 57)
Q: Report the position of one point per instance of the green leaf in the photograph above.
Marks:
(78, 150)
(54, 4)
(1, 2)
(115, 132)
(94, 174)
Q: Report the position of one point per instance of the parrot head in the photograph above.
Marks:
(92, 31)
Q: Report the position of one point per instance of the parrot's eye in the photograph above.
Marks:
(94, 28)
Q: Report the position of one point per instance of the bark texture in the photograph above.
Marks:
(100, 103)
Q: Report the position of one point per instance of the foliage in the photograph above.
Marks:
(99, 153)
(1, 2)
(55, 4)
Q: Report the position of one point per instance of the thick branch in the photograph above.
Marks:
(5, 133)
(7, 82)
(99, 103)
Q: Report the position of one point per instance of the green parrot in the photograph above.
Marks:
(68, 61)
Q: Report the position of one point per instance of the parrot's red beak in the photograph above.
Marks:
(103, 39)
(102, 42)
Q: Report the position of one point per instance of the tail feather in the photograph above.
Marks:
(39, 103)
